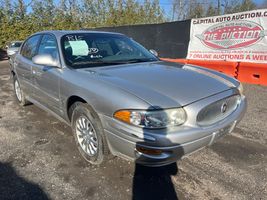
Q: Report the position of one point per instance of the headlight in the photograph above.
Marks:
(240, 88)
(153, 118)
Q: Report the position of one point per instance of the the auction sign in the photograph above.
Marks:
(235, 37)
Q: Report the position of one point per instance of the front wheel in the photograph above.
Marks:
(88, 133)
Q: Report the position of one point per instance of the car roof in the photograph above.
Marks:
(59, 33)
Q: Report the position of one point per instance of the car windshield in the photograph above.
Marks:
(100, 49)
(15, 44)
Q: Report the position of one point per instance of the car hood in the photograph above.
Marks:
(163, 84)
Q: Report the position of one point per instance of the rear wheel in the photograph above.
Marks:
(19, 93)
(88, 133)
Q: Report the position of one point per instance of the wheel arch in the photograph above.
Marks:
(77, 98)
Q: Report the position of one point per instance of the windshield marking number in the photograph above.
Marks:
(74, 37)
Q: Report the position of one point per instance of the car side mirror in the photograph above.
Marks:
(46, 60)
(154, 52)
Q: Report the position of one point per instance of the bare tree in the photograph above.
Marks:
(186, 9)
(20, 8)
(211, 11)
(264, 4)
(6, 7)
(179, 9)
(233, 6)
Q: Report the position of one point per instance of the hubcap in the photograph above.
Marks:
(18, 90)
(86, 136)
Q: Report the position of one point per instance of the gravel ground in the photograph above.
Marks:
(39, 160)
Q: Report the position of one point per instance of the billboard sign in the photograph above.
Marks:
(236, 37)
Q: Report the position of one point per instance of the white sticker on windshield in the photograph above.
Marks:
(92, 50)
(79, 48)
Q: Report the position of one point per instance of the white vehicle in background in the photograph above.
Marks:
(12, 48)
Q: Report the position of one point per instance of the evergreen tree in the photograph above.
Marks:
(18, 21)
(43, 12)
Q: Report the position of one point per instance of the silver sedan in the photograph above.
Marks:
(121, 99)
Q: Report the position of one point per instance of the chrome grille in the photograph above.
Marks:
(218, 110)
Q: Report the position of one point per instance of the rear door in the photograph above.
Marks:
(23, 64)
(45, 78)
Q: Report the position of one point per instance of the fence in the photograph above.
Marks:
(171, 40)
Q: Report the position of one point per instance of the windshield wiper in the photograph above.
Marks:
(96, 62)
(119, 62)
(137, 60)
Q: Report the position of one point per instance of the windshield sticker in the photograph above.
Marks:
(74, 37)
(93, 50)
(79, 48)
(96, 56)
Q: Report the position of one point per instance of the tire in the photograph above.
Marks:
(88, 133)
(19, 94)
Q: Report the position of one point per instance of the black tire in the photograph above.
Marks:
(20, 98)
(82, 110)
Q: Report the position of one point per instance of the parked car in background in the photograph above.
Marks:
(120, 98)
(12, 48)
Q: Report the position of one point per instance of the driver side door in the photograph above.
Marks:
(46, 79)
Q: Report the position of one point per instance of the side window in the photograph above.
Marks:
(48, 45)
(30, 46)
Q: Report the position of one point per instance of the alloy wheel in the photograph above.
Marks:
(86, 136)
(18, 91)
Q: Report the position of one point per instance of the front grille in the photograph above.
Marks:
(218, 110)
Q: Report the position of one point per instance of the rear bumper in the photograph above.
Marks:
(174, 143)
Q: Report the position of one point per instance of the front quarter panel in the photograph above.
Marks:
(103, 98)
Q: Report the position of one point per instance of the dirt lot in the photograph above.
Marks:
(39, 160)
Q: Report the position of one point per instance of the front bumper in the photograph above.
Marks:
(174, 142)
